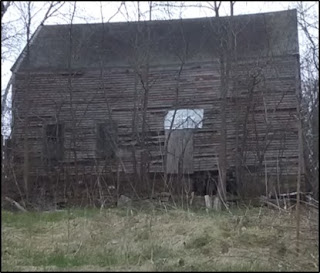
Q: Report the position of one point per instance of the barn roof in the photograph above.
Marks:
(125, 43)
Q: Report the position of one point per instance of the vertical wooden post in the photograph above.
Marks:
(300, 153)
(26, 163)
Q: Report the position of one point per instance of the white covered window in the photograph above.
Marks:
(184, 119)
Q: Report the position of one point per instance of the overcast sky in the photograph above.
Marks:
(92, 12)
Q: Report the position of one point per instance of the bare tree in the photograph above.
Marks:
(225, 51)
(308, 22)
(12, 34)
(27, 12)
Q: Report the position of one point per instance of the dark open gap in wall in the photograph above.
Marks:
(205, 182)
(53, 143)
(107, 139)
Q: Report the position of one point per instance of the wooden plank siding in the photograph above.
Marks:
(85, 99)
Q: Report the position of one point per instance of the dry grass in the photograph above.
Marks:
(255, 239)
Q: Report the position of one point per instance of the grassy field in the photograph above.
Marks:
(129, 239)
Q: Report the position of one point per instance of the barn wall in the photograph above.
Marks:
(81, 100)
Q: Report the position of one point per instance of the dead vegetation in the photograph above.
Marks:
(247, 239)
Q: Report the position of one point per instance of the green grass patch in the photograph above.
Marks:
(156, 240)
(199, 241)
(58, 259)
(31, 219)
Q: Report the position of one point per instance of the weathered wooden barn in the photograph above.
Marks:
(116, 99)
